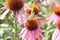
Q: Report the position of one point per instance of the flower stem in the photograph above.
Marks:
(15, 30)
(32, 11)
(15, 27)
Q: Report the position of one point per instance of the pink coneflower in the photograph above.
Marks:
(31, 30)
(53, 5)
(15, 6)
(36, 10)
(55, 15)
(56, 34)
(30, 7)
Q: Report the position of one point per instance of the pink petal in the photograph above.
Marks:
(39, 32)
(44, 3)
(27, 35)
(55, 34)
(56, 19)
(54, 4)
(52, 17)
(25, 32)
(20, 18)
(22, 32)
(31, 35)
(58, 38)
(4, 14)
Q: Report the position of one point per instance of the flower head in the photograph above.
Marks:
(31, 30)
(15, 4)
(57, 11)
(30, 7)
(55, 16)
(31, 24)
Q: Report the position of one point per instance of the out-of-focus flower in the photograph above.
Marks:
(30, 7)
(53, 5)
(15, 5)
(21, 17)
(31, 30)
(56, 34)
(36, 10)
(55, 16)
(44, 2)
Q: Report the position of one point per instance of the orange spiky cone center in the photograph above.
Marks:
(31, 24)
(15, 4)
(57, 11)
(36, 10)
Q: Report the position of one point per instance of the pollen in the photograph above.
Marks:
(31, 24)
(36, 10)
(58, 24)
(57, 11)
(15, 5)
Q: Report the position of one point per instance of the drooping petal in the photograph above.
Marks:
(58, 38)
(31, 35)
(41, 14)
(39, 32)
(22, 32)
(45, 2)
(4, 14)
(20, 17)
(26, 36)
(52, 17)
(56, 18)
(53, 5)
(55, 34)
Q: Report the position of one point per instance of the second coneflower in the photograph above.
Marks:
(56, 34)
(31, 30)
(15, 4)
(30, 7)
(55, 15)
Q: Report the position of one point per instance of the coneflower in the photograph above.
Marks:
(15, 5)
(31, 24)
(55, 15)
(30, 7)
(53, 5)
(56, 34)
(57, 11)
(31, 30)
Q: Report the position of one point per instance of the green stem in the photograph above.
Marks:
(15, 29)
(32, 11)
